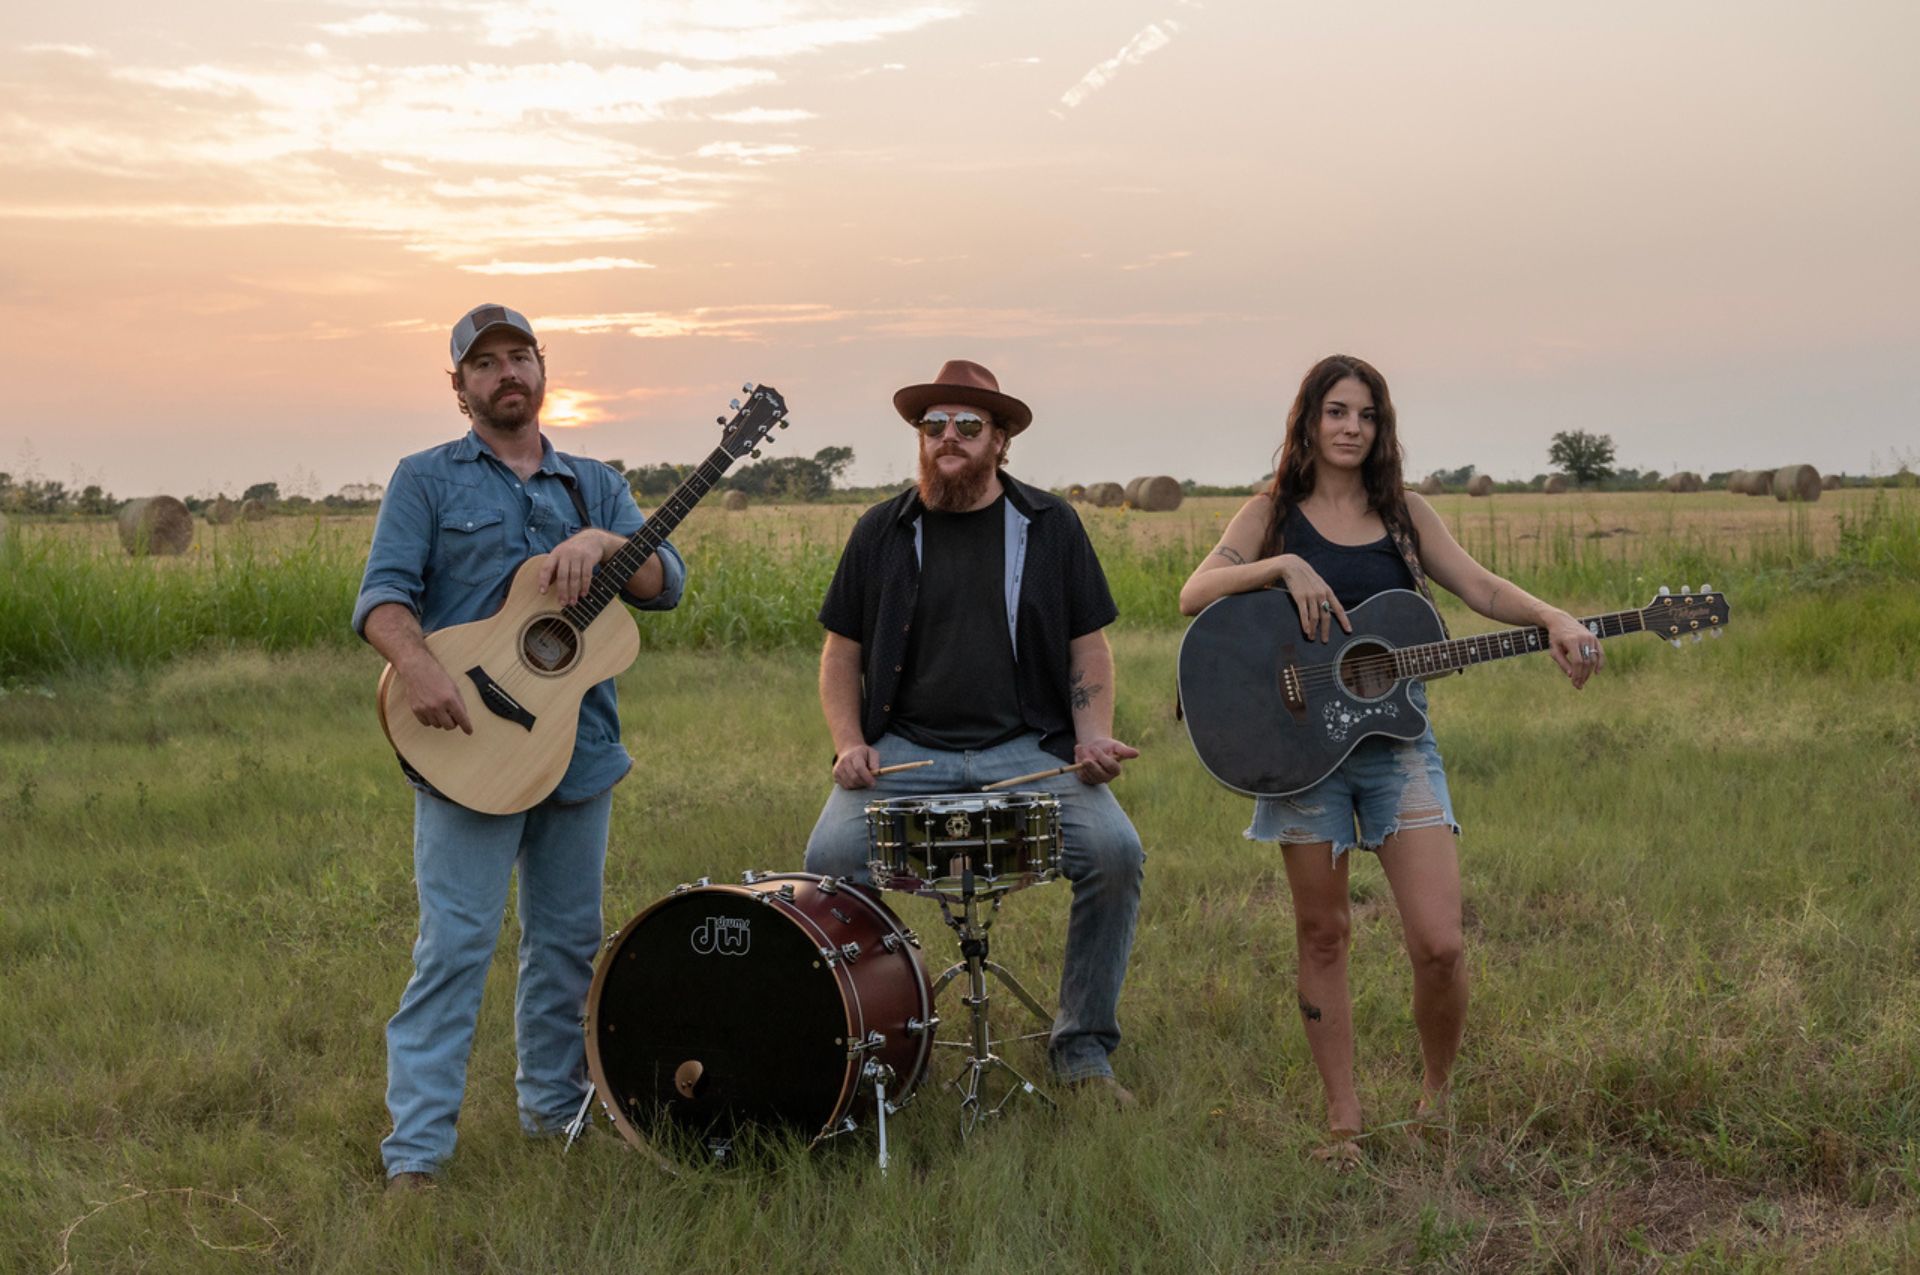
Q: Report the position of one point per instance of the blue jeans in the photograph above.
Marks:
(1101, 855)
(462, 863)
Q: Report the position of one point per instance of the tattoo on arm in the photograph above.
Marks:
(1493, 597)
(1230, 554)
(1082, 695)
(1309, 1009)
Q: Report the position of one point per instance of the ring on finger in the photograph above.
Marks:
(1326, 606)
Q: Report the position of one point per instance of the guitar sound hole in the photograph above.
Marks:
(550, 644)
(1366, 670)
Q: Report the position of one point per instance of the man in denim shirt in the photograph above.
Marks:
(456, 522)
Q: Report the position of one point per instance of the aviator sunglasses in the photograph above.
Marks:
(934, 424)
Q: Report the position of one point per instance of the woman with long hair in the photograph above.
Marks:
(1335, 527)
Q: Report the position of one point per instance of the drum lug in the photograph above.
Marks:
(831, 955)
(873, 1044)
(894, 942)
(749, 877)
(828, 885)
(850, 952)
(923, 1027)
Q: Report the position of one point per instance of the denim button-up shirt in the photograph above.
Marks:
(457, 522)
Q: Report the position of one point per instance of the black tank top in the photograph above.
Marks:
(1354, 572)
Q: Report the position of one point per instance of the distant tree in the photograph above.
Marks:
(44, 497)
(833, 462)
(656, 480)
(617, 466)
(1585, 458)
(94, 500)
(1455, 477)
(792, 478)
(265, 493)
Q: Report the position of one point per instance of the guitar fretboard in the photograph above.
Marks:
(1432, 659)
(642, 544)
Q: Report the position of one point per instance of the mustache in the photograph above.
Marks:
(511, 387)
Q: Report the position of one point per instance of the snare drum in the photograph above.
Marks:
(771, 1004)
(936, 844)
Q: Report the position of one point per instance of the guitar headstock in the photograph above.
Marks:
(752, 421)
(1688, 613)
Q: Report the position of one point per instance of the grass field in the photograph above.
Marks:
(1693, 940)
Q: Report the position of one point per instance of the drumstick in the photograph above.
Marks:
(905, 765)
(1027, 779)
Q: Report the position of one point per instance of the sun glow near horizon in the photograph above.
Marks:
(1668, 224)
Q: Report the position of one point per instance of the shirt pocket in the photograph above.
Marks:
(473, 545)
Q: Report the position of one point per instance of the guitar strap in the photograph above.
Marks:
(580, 503)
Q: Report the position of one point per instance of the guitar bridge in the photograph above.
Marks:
(1293, 691)
(498, 702)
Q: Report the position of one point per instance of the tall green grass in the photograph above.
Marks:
(1691, 928)
(69, 602)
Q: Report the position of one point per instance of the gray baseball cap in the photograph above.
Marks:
(483, 319)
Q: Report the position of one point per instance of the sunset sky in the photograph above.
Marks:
(233, 237)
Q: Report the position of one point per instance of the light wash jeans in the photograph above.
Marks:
(1100, 854)
(462, 863)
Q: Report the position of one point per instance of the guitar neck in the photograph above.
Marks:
(1432, 659)
(642, 544)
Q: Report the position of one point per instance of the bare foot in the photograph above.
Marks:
(1340, 1152)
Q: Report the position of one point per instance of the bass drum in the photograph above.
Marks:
(769, 1004)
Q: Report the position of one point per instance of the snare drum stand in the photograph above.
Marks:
(971, 931)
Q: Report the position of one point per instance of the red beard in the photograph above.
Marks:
(957, 492)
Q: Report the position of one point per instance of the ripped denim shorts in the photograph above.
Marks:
(1384, 786)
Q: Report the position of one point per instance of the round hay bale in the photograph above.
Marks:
(1830, 482)
(1430, 486)
(1555, 484)
(155, 524)
(1796, 482)
(252, 511)
(221, 511)
(1737, 482)
(1759, 482)
(1077, 491)
(1105, 495)
(1685, 480)
(1158, 494)
(734, 501)
(1480, 485)
(1131, 492)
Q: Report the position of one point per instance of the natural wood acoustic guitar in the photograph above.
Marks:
(524, 670)
(1272, 714)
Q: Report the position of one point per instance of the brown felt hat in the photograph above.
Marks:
(962, 382)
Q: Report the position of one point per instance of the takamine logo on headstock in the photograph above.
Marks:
(1688, 613)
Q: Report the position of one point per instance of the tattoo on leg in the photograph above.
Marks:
(1081, 695)
(1492, 597)
(1310, 1010)
(1231, 555)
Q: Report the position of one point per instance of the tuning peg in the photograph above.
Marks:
(720, 421)
(756, 456)
(784, 422)
(1676, 643)
(746, 387)
(1665, 591)
(734, 403)
(1706, 588)
(1685, 589)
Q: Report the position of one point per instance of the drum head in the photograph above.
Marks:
(736, 987)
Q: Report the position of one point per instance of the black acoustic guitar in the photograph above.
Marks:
(1271, 713)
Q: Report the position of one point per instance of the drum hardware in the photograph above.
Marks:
(976, 963)
(960, 849)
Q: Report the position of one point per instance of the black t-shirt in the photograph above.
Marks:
(1063, 595)
(957, 691)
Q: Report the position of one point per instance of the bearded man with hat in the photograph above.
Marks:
(455, 524)
(964, 627)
